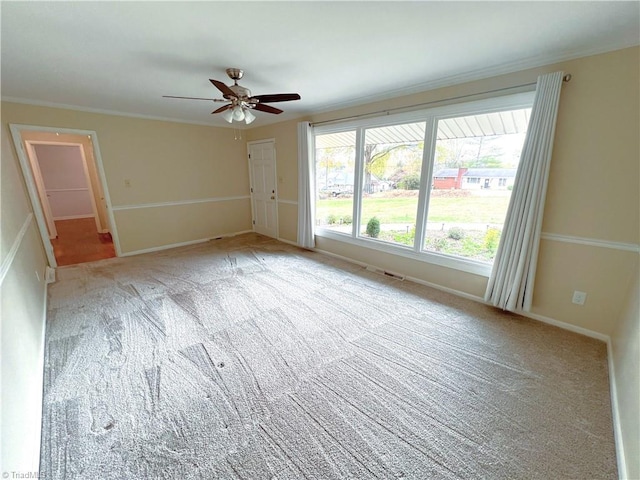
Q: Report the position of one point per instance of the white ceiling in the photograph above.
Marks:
(123, 56)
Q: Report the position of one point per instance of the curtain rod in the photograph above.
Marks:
(566, 78)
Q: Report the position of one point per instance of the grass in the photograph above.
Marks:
(483, 209)
(477, 210)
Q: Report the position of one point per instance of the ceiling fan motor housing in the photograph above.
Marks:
(241, 92)
(235, 74)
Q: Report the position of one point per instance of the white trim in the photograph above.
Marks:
(615, 413)
(102, 111)
(288, 202)
(264, 140)
(283, 240)
(476, 75)
(182, 244)
(563, 325)
(40, 381)
(435, 286)
(430, 116)
(36, 173)
(480, 74)
(8, 260)
(75, 217)
(452, 291)
(16, 134)
(592, 242)
(532, 316)
(179, 202)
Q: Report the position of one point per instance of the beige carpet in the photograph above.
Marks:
(245, 358)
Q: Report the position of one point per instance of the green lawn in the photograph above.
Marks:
(471, 209)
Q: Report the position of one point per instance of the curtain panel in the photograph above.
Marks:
(510, 285)
(306, 191)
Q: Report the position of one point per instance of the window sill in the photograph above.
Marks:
(442, 260)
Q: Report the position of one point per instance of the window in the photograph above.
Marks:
(391, 164)
(433, 185)
(335, 162)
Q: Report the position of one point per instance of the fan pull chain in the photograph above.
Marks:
(237, 134)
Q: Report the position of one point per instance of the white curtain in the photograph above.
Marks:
(306, 193)
(510, 286)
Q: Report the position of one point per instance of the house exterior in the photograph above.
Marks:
(474, 178)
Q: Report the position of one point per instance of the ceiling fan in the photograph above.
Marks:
(241, 100)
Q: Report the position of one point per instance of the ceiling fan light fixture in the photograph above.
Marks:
(248, 116)
(238, 113)
(228, 115)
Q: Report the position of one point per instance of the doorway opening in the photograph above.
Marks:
(65, 179)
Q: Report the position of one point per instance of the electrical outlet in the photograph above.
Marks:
(579, 297)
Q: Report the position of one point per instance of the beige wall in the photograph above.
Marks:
(593, 188)
(22, 319)
(189, 222)
(625, 350)
(164, 162)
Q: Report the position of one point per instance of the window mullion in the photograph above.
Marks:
(426, 178)
(357, 180)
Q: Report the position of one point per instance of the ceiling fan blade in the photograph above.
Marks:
(191, 98)
(222, 109)
(266, 108)
(278, 97)
(226, 91)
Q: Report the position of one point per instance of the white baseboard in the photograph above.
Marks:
(615, 413)
(565, 326)
(288, 242)
(340, 257)
(35, 467)
(458, 293)
(181, 244)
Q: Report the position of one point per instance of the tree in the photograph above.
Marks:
(449, 153)
(331, 158)
(376, 157)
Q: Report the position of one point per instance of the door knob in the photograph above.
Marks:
(273, 197)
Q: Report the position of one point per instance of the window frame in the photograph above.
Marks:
(431, 117)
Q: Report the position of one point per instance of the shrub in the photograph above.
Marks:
(373, 227)
(440, 244)
(410, 182)
(347, 220)
(491, 239)
(332, 219)
(456, 233)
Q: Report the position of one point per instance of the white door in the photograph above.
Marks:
(262, 167)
